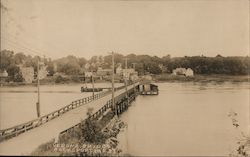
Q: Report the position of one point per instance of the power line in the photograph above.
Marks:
(25, 44)
(33, 38)
(15, 44)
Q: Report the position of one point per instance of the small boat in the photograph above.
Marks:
(86, 89)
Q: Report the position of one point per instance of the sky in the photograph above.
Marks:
(57, 28)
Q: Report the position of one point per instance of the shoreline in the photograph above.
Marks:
(162, 78)
(201, 78)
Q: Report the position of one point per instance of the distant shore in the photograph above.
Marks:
(202, 78)
(157, 78)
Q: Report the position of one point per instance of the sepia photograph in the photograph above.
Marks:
(125, 78)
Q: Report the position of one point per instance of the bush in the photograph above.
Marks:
(60, 79)
(92, 130)
(75, 79)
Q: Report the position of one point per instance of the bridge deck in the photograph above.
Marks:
(25, 143)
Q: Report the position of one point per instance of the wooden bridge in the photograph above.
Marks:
(24, 138)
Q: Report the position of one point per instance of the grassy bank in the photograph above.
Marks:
(201, 78)
(157, 78)
(57, 80)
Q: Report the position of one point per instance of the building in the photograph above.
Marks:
(103, 72)
(183, 71)
(27, 74)
(148, 89)
(147, 78)
(119, 69)
(3, 75)
(87, 66)
(189, 72)
(43, 72)
(88, 74)
(179, 71)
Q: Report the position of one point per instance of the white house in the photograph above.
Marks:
(43, 72)
(103, 72)
(3, 74)
(183, 71)
(189, 72)
(179, 71)
(27, 74)
(88, 74)
(119, 69)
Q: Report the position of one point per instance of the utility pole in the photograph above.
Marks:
(93, 87)
(113, 90)
(126, 75)
(38, 91)
(134, 65)
(133, 80)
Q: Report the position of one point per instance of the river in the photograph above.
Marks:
(18, 104)
(188, 119)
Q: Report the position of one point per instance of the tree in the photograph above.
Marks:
(91, 130)
(14, 73)
(68, 65)
(82, 61)
(19, 58)
(6, 59)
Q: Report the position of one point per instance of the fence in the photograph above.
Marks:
(118, 99)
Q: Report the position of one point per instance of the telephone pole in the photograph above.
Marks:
(126, 75)
(133, 80)
(38, 90)
(113, 90)
(93, 87)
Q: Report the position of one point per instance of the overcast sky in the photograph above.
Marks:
(59, 28)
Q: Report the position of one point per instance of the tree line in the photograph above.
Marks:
(72, 65)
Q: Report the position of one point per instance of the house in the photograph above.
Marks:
(103, 72)
(3, 75)
(183, 71)
(179, 71)
(87, 66)
(189, 72)
(119, 69)
(27, 74)
(43, 72)
(88, 74)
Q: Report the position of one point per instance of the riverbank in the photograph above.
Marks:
(49, 81)
(93, 138)
(201, 78)
(157, 78)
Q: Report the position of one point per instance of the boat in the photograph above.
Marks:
(86, 89)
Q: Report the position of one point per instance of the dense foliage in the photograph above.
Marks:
(72, 65)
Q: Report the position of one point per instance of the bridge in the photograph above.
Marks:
(24, 138)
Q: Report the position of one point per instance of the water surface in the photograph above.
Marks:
(186, 119)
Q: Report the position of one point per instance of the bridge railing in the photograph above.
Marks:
(97, 114)
(18, 129)
(108, 105)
